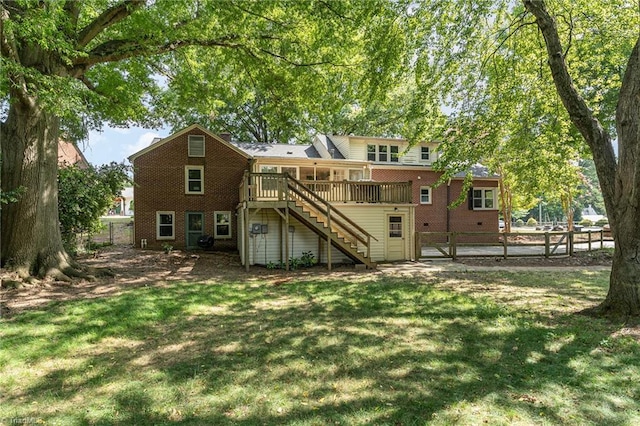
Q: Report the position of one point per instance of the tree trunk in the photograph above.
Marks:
(619, 178)
(31, 241)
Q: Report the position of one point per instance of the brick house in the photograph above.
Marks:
(341, 198)
(394, 160)
(69, 154)
(186, 185)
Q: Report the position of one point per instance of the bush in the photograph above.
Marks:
(602, 222)
(519, 223)
(586, 223)
(532, 222)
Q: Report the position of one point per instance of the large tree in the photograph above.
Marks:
(494, 63)
(619, 176)
(68, 66)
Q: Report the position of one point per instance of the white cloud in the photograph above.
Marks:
(121, 130)
(144, 140)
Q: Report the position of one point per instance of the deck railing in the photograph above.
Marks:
(281, 187)
(273, 186)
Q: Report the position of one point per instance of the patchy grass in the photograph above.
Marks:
(373, 349)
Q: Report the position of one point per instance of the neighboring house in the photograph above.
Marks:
(123, 205)
(342, 198)
(69, 154)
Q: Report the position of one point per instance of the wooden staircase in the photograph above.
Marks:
(329, 223)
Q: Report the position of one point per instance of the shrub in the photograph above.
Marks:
(532, 222)
(586, 223)
(602, 222)
(519, 223)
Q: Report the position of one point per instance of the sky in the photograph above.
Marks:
(115, 144)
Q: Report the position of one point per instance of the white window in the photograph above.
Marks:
(339, 174)
(222, 226)
(484, 199)
(194, 179)
(371, 153)
(425, 195)
(165, 225)
(395, 154)
(291, 171)
(356, 174)
(382, 153)
(196, 146)
(269, 183)
(425, 153)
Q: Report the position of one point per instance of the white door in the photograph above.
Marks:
(396, 237)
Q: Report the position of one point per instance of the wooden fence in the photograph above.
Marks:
(508, 244)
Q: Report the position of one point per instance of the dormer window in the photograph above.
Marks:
(395, 155)
(371, 152)
(383, 153)
(425, 153)
(196, 146)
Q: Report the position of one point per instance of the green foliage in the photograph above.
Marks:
(84, 194)
(11, 196)
(308, 259)
(167, 248)
(586, 223)
(519, 223)
(602, 222)
(532, 222)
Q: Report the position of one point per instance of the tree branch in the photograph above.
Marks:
(106, 19)
(581, 116)
(521, 24)
(72, 9)
(117, 50)
(9, 49)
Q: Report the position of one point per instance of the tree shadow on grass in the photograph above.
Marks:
(391, 351)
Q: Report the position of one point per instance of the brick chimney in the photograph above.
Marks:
(226, 136)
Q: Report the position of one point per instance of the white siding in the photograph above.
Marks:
(412, 156)
(265, 248)
(358, 150)
(342, 143)
(373, 219)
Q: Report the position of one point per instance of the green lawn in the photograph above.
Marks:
(494, 348)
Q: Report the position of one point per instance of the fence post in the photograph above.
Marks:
(547, 244)
(570, 243)
(504, 243)
(589, 233)
(111, 233)
(453, 252)
(601, 238)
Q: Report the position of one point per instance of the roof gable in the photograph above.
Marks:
(160, 142)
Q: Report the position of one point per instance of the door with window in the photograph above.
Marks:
(195, 228)
(396, 237)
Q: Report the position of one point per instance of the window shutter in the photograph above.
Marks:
(196, 146)
(470, 197)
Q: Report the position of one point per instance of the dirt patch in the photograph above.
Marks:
(139, 268)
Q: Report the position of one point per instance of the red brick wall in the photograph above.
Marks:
(159, 177)
(433, 217)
